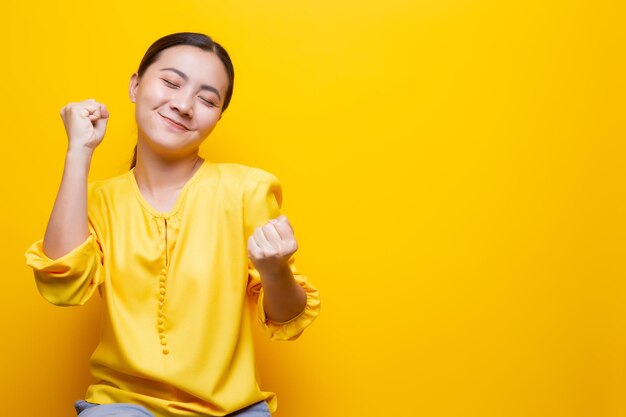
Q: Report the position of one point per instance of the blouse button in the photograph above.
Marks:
(162, 291)
(166, 351)
(161, 328)
(164, 341)
(161, 297)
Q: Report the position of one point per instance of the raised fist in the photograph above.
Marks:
(85, 123)
(271, 245)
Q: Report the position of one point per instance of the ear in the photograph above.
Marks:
(132, 88)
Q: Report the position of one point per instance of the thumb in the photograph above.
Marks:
(101, 124)
(104, 112)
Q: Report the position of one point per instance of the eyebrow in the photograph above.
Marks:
(186, 78)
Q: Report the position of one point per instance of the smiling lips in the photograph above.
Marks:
(174, 123)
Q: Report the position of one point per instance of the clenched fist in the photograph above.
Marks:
(85, 123)
(271, 246)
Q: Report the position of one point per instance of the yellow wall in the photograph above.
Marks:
(453, 169)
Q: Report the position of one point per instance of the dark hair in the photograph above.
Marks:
(198, 40)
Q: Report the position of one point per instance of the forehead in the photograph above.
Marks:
(200, 66)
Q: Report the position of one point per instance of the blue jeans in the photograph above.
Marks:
(87, 409)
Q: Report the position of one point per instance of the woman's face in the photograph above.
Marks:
(179, 98)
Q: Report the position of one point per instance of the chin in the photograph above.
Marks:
(168, 146)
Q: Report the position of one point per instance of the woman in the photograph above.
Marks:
(177, 247)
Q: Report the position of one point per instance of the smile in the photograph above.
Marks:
(173, 123)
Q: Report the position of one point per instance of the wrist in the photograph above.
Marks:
(78, 153)
(77, 162)
(275, 273)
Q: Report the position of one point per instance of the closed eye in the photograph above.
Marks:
(208, 102)
(169, 83)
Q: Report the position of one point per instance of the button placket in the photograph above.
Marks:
(161, 294)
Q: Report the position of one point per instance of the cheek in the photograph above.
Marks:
(210, 118)
(153, 95)
(215, 117)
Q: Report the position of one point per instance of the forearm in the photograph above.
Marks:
(68, 224)
(283, 298)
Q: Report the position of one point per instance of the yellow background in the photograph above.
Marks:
(453, 170)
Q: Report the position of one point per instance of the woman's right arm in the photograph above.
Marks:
(85, 124)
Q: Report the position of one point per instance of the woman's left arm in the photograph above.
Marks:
(270, 248)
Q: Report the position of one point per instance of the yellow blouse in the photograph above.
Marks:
(176, 329)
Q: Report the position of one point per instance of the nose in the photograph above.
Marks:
(183, 102)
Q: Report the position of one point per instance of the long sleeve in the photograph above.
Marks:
(71, 279)
(177, 291)
(263, 198)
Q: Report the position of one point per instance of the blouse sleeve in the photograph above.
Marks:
(262, 201)
(71, 279)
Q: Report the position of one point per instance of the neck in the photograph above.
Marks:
(156, 175)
